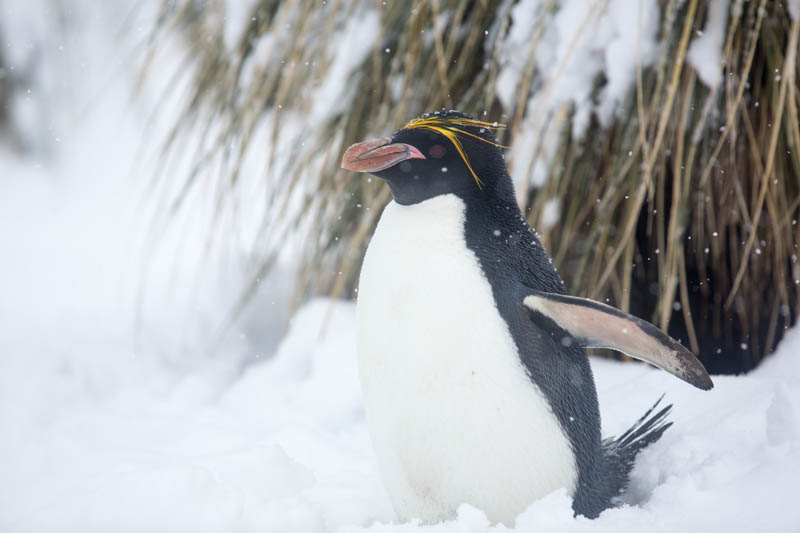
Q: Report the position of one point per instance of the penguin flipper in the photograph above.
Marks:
(596, 325)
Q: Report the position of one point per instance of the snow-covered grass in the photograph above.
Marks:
(571, 43)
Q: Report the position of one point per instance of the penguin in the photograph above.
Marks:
(477, 386)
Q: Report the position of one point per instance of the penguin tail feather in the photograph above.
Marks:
(619, 455)
(647, 430)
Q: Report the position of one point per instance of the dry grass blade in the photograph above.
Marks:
(789, 69)
(650, 159)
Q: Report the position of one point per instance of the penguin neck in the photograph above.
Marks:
(492, 209)
(495, 189)
(498, 190)
(507, 247)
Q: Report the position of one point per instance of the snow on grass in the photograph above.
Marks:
(705, 52)
(794, 8)
(551, 213)
(571, 45)
(354, 41)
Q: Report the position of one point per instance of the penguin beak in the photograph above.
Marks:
(377, 155)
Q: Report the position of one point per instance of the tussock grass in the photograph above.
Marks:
(683, 210)
(12, 81)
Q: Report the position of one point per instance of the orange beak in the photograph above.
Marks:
(373, 156)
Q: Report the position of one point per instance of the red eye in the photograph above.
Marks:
(437, 150)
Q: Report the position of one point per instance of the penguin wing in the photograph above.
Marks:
(595, 325)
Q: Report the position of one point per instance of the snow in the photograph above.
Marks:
(236, 16)
(551, 213)
(705, 52)
(130, 446)
(354, 40)
(115, 416)
(794, 9)
(572, 44)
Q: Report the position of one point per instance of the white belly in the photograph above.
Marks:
(453, 415)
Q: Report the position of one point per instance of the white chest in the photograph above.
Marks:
(453, 416)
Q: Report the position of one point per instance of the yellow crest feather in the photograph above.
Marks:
(449, 128)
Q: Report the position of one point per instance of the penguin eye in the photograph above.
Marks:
(437, 151)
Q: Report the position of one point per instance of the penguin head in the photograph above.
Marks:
(444, 152)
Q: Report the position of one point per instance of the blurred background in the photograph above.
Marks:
(170, 195)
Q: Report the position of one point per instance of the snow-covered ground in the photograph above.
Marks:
(95, 439)
(115, 416)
